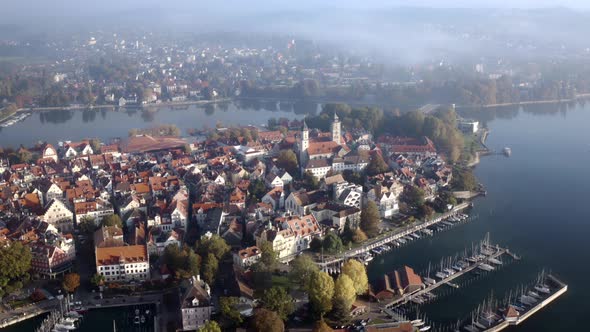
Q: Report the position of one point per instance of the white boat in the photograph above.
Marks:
(136, 320)
(416, 322)
(441, 275)
(416, 236)
(402, 240)
(60, 326)
(542, 289)
(142, 319)
(429, 281)
(425, 328)
(368, 258)
(495, 261)
(485, 267)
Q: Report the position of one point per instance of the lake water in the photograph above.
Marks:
(536, 202)
(59, 125)
(536, 205)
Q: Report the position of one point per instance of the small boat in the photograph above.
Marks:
(425, 328)
(542, 289)
(142, 319)
(441, 275)
(417, 321)
(485, 267)
(507, 151)
(429, 281)
(137, 312)
(495, 261)
(136, 320)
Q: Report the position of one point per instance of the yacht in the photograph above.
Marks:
(425, 328)
(429, 281)
(485, 267)
(441, 275)
(495, 261)
(543, 289)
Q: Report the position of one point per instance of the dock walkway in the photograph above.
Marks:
(408, 297)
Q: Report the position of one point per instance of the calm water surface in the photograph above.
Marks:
(60, 125)
(536, 204)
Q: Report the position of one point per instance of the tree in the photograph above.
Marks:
(184, 262)
(97, 280)
(287, 160)
(71, 282)
(344, 297)
(87, 225)
(426, 211)
(377, 165)
(310, 181)
(370, 219)
(316, 244)
(265, 321)
(463, 179)
(229, 311)
(210, 326)
(268, 257)
(215, 245)
(356, 271)
(95, 145)
(359, 236)
(209, 268)
(278, 300)
(112, 220)
(414, 196)
(302, 269)
(332, 244)
(321, 326)
(321, 291)
(257, 189)
(15, 262)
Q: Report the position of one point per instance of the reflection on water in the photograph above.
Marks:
(106, 123)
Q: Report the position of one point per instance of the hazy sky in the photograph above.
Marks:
(69, 7)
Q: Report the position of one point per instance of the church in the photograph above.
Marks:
(322, 152)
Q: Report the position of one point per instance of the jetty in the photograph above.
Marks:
(498, 252)
(333, 264)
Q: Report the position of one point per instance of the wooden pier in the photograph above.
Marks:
(447, 281)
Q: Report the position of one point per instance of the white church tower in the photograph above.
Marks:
(335, 127)
(304, 143)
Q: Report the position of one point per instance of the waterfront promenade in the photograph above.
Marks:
(333, 262)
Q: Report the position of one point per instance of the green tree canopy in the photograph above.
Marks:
(370, 219)
(184, 262)
(332, 244)
(265, 321)
(209, 268)
(268, 257)
(287, 160)
(278, 300)
(321, 291)
(302, 269)
(310, 181)
(15, 262)
(413, 195)
(229, 311)
(210, 326)
(112, 220)
(377, 165)
(463, 179)
(357, 272)
(215, 245)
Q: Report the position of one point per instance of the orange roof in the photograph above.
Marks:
(117, 255)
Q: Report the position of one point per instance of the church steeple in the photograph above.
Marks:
(336, 129)
(304, 142)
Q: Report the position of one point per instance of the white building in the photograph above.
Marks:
(349, 194)
(59, 215)
(123, 263)
(245, 258)
(196, 305)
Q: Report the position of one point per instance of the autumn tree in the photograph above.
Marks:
(278, 300)
(359, 236)
(95, 145)
(321, 291)
(97, 279)
(265, 320)
(370, 219)
(344, 297)
(357, 272)
(71, 282)
(413, 196)
(321, 326)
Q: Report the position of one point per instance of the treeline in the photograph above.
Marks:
(441, 126)
(162, 130)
